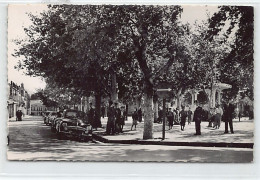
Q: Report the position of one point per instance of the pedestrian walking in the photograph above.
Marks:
(135, 119)
(189, 114)
(228, 116)
(183, 116)
(110, 129)
(197, 118)
(170, 117)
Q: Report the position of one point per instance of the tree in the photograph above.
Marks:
(198, 67)
(46, 99)
(56, 50)
(76, 45)
(236, 23)
(151, 33)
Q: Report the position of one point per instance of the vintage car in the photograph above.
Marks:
(72, 124)
(45, 115)
(53, 121)
(51, 117)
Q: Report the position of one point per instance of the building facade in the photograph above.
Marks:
(37, 108)
(18, 99)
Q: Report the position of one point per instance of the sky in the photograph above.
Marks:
(18, 19)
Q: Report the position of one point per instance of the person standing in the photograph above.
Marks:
(122, 118)
(91, 116)
(228, 117)
(189, 114)
(183, 116)
(110, 129)
(218, 115)
(197, 118)
(140, 115)
(135, 119)
(17, 114)
(170, 117)
(211, 114)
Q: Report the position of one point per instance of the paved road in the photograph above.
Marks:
(32, 140)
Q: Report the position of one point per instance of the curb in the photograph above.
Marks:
(196, 144)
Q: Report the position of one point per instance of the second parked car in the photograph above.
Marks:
(73, 124)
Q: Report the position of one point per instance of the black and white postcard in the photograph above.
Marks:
(131, 83)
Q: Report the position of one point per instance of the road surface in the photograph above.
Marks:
(32, 140)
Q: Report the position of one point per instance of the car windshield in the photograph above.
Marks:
(54, 114)
(71, 114)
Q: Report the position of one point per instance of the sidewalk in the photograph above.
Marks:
(243, 136)
(23, 118)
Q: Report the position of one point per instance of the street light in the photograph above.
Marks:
(164, 93)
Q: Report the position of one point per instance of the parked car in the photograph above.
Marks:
(45, 116)
(73, 125)
(51, 117)
(53, 121)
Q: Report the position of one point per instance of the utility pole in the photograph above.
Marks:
(164, 115)
(164, 93)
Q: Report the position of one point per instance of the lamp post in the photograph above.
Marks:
(163, 93)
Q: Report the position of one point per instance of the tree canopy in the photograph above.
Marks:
(236, 23)
(79, 48)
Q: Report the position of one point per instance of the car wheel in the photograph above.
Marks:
(53, 129)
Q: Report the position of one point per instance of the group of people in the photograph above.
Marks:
(174, 116)
(92, 117)
(117, 116)
(216, 115)
(19, 115)
(116, 119)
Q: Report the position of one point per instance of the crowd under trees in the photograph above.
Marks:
(85, 50)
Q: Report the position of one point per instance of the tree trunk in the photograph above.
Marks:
(179, 99)
(114, 94)
(148, 112)
(155, 102)
(98, 109)
(211, 96)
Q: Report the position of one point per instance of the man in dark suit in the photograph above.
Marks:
(228, 116)
(110, 129)
(198, 116)
(91, 116)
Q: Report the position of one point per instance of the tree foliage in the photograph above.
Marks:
(236, 23)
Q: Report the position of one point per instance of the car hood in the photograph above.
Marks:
(68, 120)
